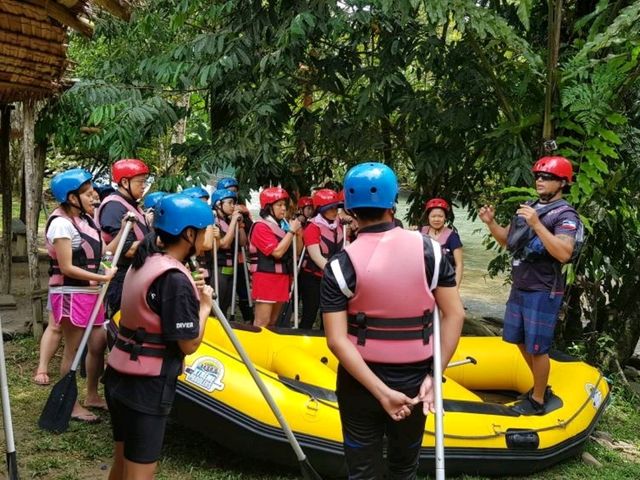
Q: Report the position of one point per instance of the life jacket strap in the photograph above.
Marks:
(386, 328)
(140, 335)
(136, 350)
(388, 334)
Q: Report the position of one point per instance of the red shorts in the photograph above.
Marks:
(270, 287)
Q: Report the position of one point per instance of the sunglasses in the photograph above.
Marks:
(546, 177)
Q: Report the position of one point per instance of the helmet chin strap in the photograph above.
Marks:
(192, 245)
(547, 197)
(128, 188)
(79, 207)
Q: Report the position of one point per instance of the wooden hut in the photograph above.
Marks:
(33, 61)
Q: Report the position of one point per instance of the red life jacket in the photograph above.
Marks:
(331, 242)
(140, 227)
(140, 348)
(390, 314)
(259, 262)
(225, 255)
(86, 256)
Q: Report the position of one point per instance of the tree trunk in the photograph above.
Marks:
(33, 194)
(5, 186)
(554, 23)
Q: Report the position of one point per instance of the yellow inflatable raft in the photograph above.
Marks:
(483, 434)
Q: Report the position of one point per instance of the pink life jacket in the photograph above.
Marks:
(225, 255)
(390, 314)
(140, 227)
(259, 262)
(442, 238)
(86, 256)
(331, 242)
(140, 347)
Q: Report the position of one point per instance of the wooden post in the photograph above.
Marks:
(5, 186)
(33, 193)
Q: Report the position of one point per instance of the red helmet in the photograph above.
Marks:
(325, 198)
(558, 166)
(437, 203)
(128, 168)
(305, 202)
(341, 195)
(272, 195)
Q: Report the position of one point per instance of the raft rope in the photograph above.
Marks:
(497, 433)
(561, 423)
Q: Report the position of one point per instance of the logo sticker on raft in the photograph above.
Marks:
(594, 395)
(206, 373)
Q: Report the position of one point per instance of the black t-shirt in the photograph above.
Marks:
(172, 297)
(332, 299)
(111, 221)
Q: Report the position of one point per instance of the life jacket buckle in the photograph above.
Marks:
(361, 322)
(139, 335)
(136, 350)
(427, 329)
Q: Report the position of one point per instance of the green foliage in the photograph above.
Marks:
(450, 92)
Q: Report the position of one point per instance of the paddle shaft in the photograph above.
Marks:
(256, 378)
(295, 280)
(12, 465)
(245, 265)
(437, 379)
(103, 292)
(235, 271)
(215, 272)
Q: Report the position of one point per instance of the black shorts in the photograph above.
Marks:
(142, 434)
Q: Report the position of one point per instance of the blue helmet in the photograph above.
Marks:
(370, 184)
(175, 212)
(196, 192)
(223, 194)
(151, 199)
(103, 190)
(226, 183)
(66, 182)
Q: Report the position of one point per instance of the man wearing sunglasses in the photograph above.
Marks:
(541, 237)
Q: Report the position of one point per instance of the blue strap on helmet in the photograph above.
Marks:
(372, 185)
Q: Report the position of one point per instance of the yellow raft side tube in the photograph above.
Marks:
(469, 422)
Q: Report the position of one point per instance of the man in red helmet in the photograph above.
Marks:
(541, 237)
(131, 176)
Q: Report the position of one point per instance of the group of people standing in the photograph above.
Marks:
(357, 267)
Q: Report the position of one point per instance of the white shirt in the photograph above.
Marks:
(61, 227)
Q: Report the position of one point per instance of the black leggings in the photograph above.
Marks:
(310, 293)
(243, 295)
(364, 426)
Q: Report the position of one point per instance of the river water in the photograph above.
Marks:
(482, 296)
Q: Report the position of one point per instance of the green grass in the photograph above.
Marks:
(84, 451)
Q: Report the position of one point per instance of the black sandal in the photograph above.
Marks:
(529, 406)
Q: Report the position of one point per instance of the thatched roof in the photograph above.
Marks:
(33, 42)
